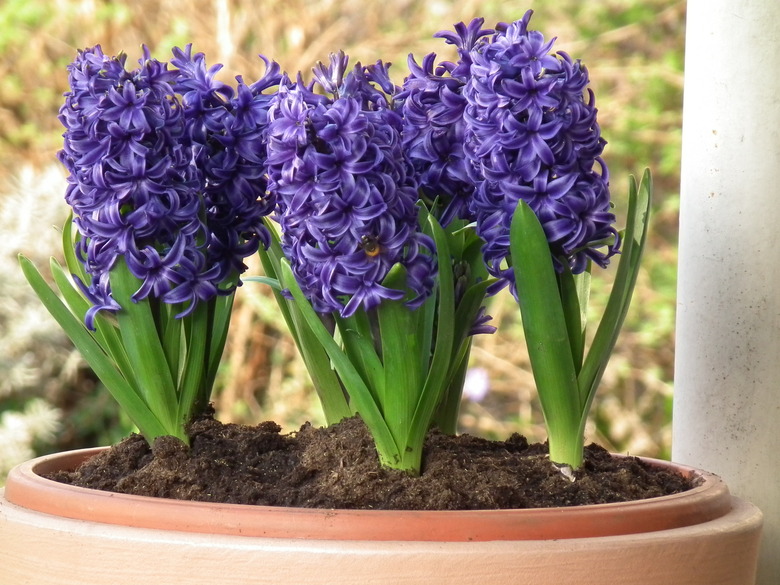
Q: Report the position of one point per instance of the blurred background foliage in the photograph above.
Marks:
(634, 50)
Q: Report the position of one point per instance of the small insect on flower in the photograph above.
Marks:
(370, 245)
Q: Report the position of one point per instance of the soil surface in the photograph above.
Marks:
(337, 467)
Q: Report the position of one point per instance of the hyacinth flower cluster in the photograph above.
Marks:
(433, 104)
(226, 132)
(346, 193)
(131, 187)
(533, 186)
(364, 273)
(384, 216)
(165, 186)
(533, 136)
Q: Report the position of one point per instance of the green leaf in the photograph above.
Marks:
(426, 328)
(221, 309)
(468, 309)
(171, 337)
(326, 382)
(546, 333)
(105, 333)
(272, 282)
(358, 392)
(196, 327)
(69, 241)
(123, 392)
(359, 346)
(72, 296)
(574, 293)
(639, 199)
(472, 253)
(271, 259)
(447, 415)
(400, 357)
(443, 349)
(336, 403)
(141, 339)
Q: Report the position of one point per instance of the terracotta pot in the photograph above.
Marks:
(54, 533)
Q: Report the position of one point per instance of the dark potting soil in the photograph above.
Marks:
(337, 467)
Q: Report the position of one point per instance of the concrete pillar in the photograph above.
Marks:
(727, 380)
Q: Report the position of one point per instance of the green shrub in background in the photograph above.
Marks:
(635, 57)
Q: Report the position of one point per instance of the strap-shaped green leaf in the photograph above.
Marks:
(546, 333)
(271, 258)
(69, 241)
(359, 346)
(465, 315)
(329, 390)
(195, 327)
(158, 367)
(132, 403)
(171, 337)
(221, 309)
(359, 393)
(105, 334)
(141, 339)
(400, 350)
(575, 293)
(272, 282)
(639, 199)
(444, 341)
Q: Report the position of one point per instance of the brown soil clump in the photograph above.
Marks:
(337, 467)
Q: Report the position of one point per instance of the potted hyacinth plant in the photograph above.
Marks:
(385, 216)
(400, 211)
(164, 219)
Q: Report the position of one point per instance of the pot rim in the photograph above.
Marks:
(25, 487)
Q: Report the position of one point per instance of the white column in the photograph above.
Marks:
(727, 380)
